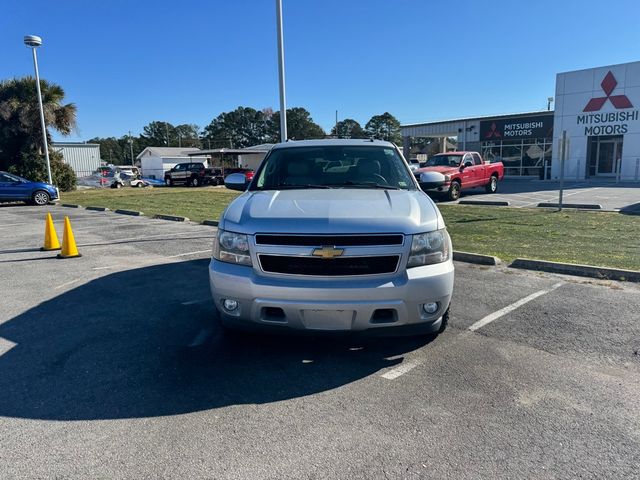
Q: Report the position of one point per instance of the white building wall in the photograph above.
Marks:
(84, 158)
(574, 90)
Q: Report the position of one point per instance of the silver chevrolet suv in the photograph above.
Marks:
(333, 235)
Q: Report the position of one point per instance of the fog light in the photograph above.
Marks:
(430, 308)
(229, 305)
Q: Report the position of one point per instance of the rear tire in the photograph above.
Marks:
(492, 186)
(40, 198)
(195, 182)
(454, 191)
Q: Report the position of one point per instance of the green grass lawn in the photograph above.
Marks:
(603, 239)
(592, 238)
(197, 204)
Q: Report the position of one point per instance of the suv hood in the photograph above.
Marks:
(332, 211)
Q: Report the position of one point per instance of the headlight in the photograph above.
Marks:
(231, 248)
(447, 178)
(429, 248)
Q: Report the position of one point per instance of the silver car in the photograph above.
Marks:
(333, 235)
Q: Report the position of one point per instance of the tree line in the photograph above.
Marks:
(21, 149)
(240, 128)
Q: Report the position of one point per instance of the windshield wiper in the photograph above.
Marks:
(351, 183)
(298, 187)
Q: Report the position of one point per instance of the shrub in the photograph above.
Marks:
(32, 166)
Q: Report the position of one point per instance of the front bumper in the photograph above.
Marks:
(332, 304)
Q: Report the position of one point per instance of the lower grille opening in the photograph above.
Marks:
(384, 315)
(273, 314)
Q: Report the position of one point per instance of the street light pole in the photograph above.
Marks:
(34, 42)
(283, 101)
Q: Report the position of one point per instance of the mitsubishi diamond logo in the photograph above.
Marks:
(608, 86)
(493, 131)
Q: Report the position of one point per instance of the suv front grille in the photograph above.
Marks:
(343, 266)
(337, 240)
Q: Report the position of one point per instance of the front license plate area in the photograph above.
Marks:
(328, 319)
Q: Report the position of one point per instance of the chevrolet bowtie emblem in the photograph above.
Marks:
(328, 252)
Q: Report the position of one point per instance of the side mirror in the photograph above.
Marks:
(429, 180)
(236, 181)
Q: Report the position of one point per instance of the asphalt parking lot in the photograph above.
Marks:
(111, 367)
(528, 193)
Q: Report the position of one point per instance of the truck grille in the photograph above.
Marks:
(337, 240)
(344, 266)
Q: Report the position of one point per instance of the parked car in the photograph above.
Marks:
(14, 188)
(193, 174)
(463, 170)
(333, 235)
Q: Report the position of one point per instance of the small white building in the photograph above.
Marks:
(84, 158)
(154, 161)
(251, 157)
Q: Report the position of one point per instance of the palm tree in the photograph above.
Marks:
(20, 130)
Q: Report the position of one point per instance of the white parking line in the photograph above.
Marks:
(68, 283)
(400, 370)
(5, 345)
(510, 308)
(189, 253)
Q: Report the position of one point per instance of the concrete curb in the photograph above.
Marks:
(211, 223)
(97, 209)
(630, 209)
(129, 212)
(584, 206)
(173, 218)
(494, 203)
(475, 258)
(578, 270)
(70, 205)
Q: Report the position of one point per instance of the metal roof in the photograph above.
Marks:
(482, 117)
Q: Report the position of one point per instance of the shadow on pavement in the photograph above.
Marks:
(118, 347)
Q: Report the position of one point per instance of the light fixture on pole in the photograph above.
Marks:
(33, 42)
(283, 101)
(549, 100)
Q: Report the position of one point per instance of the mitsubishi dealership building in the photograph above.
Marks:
(599, 108)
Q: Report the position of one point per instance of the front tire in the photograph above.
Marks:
(168, 181)
(454, 191)
(40, 198)
(195, 182)
(445, 322)
(492, 186)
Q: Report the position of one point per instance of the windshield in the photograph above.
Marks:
(444, 161)
(333, 167)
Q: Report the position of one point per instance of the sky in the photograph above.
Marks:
(127, 63)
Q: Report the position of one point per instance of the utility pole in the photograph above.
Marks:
(131, 147)
(166, 126)
(283, 101)
(337, 124)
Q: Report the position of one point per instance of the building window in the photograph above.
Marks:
(520, 157)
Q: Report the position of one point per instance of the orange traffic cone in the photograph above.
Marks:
(69, 248)
(51, 241)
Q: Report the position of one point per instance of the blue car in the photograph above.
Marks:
(17, 189)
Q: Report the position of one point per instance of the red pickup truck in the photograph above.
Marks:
(463, 170)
